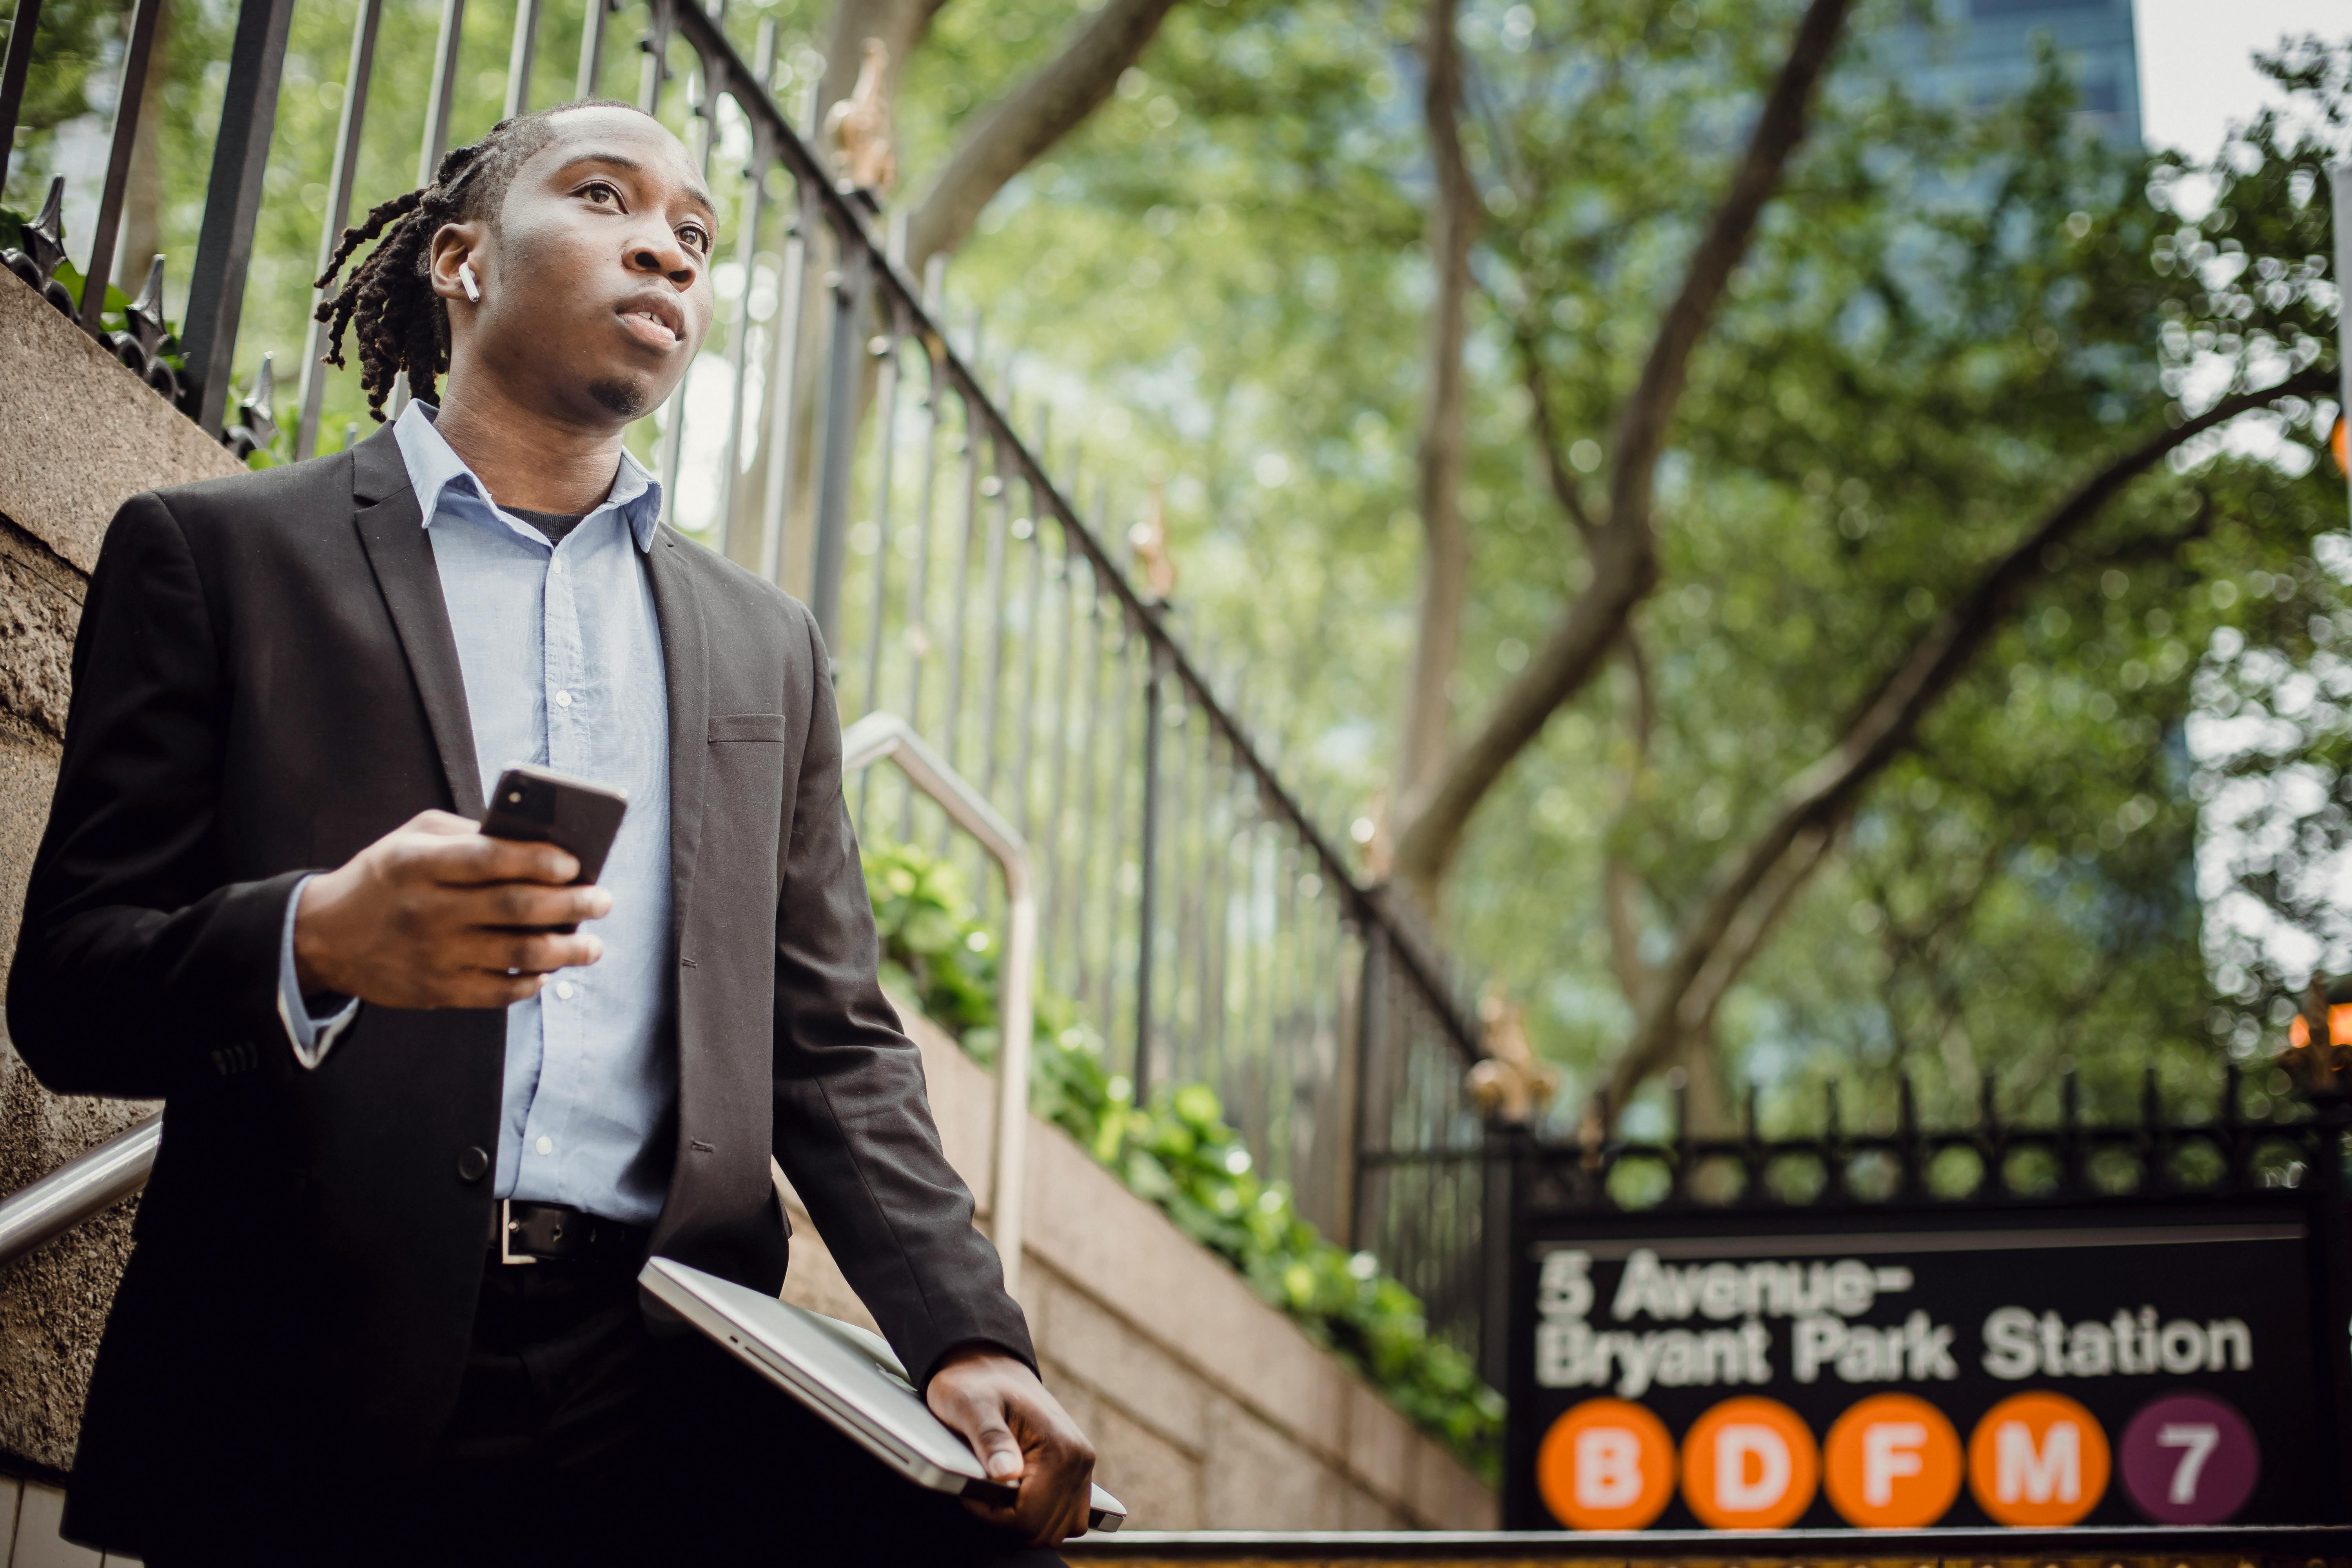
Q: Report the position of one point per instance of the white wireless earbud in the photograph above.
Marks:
(473, 285)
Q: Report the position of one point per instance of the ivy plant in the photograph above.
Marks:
(1178, 1152)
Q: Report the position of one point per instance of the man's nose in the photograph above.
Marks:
(663, 254)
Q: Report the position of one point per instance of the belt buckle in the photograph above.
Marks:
(506, 1229)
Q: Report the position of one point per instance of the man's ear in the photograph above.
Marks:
(454, 243)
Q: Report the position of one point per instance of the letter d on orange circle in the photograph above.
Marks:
(1892, 1462)
(1750, 1464)
(1606, 1464)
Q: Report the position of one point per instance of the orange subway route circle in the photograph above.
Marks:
(1750, 1464)
(1606, 1464)
(2038, 1459)
(1892, 1462)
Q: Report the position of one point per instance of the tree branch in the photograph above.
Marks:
(1883, 727)
(1446, 569)
(1619, 882)
(1623, 550)
(1016, 130)
(1564, 487)
(1755, 928)
(1643, 423)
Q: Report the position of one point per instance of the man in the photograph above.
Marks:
(419, 1137)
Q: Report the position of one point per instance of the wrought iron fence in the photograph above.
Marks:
(1993, 1161)
(837, 439)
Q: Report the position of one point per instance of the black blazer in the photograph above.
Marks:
(264, 683)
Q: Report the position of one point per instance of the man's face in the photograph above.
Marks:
(595, 280)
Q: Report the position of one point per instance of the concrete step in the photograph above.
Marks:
(30, 1512)
(2174, 1547)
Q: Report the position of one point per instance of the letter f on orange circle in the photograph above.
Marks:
(1892, 1462)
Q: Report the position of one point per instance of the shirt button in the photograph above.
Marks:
(554, 564)
(563, 991)
(563, 699)
(545, 1145)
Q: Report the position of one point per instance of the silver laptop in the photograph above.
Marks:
(847, 1376)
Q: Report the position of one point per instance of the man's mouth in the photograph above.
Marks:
(652, 325)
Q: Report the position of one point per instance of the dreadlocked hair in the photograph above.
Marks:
(387, 304)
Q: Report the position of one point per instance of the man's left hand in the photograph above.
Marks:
(1023, 1437)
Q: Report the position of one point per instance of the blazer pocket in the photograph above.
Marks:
(767, 727)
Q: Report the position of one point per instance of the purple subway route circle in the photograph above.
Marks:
(2188, 1459)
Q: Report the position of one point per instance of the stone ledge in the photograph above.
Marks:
(84, 434)
(1107, 1253)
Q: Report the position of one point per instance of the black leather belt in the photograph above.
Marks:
(525, 1232)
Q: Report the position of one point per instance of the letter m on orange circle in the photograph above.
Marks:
(2038, 1459)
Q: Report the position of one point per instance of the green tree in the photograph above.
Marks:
(1898, 742)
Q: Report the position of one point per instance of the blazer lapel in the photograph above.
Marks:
(685, 665)
(392, 527)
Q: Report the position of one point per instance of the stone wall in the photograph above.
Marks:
(82, 435)
(1208, 1407)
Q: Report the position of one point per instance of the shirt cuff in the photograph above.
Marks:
(309, 1034)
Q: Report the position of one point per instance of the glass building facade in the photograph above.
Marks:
(1982, 51)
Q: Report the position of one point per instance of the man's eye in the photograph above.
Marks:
(696, 238)
(600, 192)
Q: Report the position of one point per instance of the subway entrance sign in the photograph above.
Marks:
(2159, 1358)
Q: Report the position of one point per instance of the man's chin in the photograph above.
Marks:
(625, 399)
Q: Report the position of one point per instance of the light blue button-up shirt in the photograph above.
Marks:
(560, 649)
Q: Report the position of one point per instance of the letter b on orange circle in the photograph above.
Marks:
(1750, 1464)
(2038, 1459)
(1606, 1464)
(1892, 1462)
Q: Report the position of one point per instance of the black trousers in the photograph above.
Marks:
(580, 1438)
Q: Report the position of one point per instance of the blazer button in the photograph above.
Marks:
(473, 1165)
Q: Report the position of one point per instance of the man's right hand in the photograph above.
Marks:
(438, 914)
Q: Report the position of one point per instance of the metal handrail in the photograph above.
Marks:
(110, 1173)
(80, 1189)
(885, 736)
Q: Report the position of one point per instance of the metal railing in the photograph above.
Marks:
(886, 737)
(836, 439)
(79, 1189)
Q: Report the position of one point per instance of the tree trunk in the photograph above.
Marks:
(1018, 129)
(1002, 142)
(1445, 569)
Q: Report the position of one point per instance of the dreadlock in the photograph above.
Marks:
(399, 324)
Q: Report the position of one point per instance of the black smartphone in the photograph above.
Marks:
(539, 805)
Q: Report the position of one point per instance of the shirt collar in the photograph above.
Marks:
(433, 465)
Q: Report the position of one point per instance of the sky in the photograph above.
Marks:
(2195, 71)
